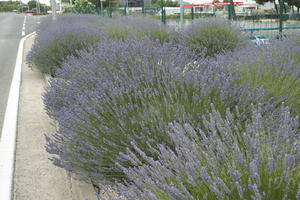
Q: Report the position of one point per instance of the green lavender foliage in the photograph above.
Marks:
(219, 159)
(137, 28)
(124, 90)
(275, 68)
(209, 37)
(55, 41)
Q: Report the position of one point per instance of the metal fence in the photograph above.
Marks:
(270, 25)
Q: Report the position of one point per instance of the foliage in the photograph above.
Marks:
(275, 68)
(165, 3)
(32, 4)
(290, 2)
(124, 90)
(57, 40)
(294, 39)
(120, 82)
(209, 37)
(293, 3)
(8, 6)
(108, 79)
(137, 28)
(221, 158)
(84, 6)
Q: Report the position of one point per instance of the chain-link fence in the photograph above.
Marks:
(270, 25)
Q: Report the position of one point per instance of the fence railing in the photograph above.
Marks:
(267, 24)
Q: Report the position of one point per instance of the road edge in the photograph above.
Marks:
(9, 128)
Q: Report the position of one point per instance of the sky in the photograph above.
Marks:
(25, 1)
(41, 1)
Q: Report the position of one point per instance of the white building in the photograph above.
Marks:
(210, 1)
(246, 7)
(247, 4)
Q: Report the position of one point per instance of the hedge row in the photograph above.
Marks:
(159, 114)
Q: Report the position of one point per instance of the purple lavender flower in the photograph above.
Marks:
(209, 37)
(274, 68)
(119, 91)
(55, 41)
(229, 179)
(138, 28)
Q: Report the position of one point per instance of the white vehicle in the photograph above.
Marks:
(259, 39)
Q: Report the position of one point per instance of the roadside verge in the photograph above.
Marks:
(9, 129)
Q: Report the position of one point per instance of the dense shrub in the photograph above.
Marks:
(294, 38)
(212, 36)
(121, 91)
(113, 101)
(56, 41)
(84, 7)
(137, 28)
(274, 67)
(223, 158)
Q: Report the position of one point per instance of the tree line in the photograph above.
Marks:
(10, 6)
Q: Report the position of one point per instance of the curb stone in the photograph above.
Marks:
(35, 177)
(9, 128)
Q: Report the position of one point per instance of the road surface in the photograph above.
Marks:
(12, 28)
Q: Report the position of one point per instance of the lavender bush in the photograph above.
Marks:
(57, 40)
(137, 28)
(124, 90)
(221, 158)
(212, 36)
(294, 38)
(274, 67)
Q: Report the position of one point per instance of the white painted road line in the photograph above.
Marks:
(9, 129)
(23, 28)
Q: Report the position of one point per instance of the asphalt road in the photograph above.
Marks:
(11, 32)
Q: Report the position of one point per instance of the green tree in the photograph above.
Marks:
(31, 4)
(166, 3)
(84, 6)
(8, 6)
(44, 8)
(272, 1)
(169, 3)
(293, 3)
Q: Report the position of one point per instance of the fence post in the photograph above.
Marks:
(229, 12)
(192, 12)
(53, 5)
(110, 12)
(181, 13)
(125, 11)
(143, 8)
(162, 10)
(281, 4)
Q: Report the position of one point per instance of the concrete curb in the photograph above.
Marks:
(9, 129)
(35, 177)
